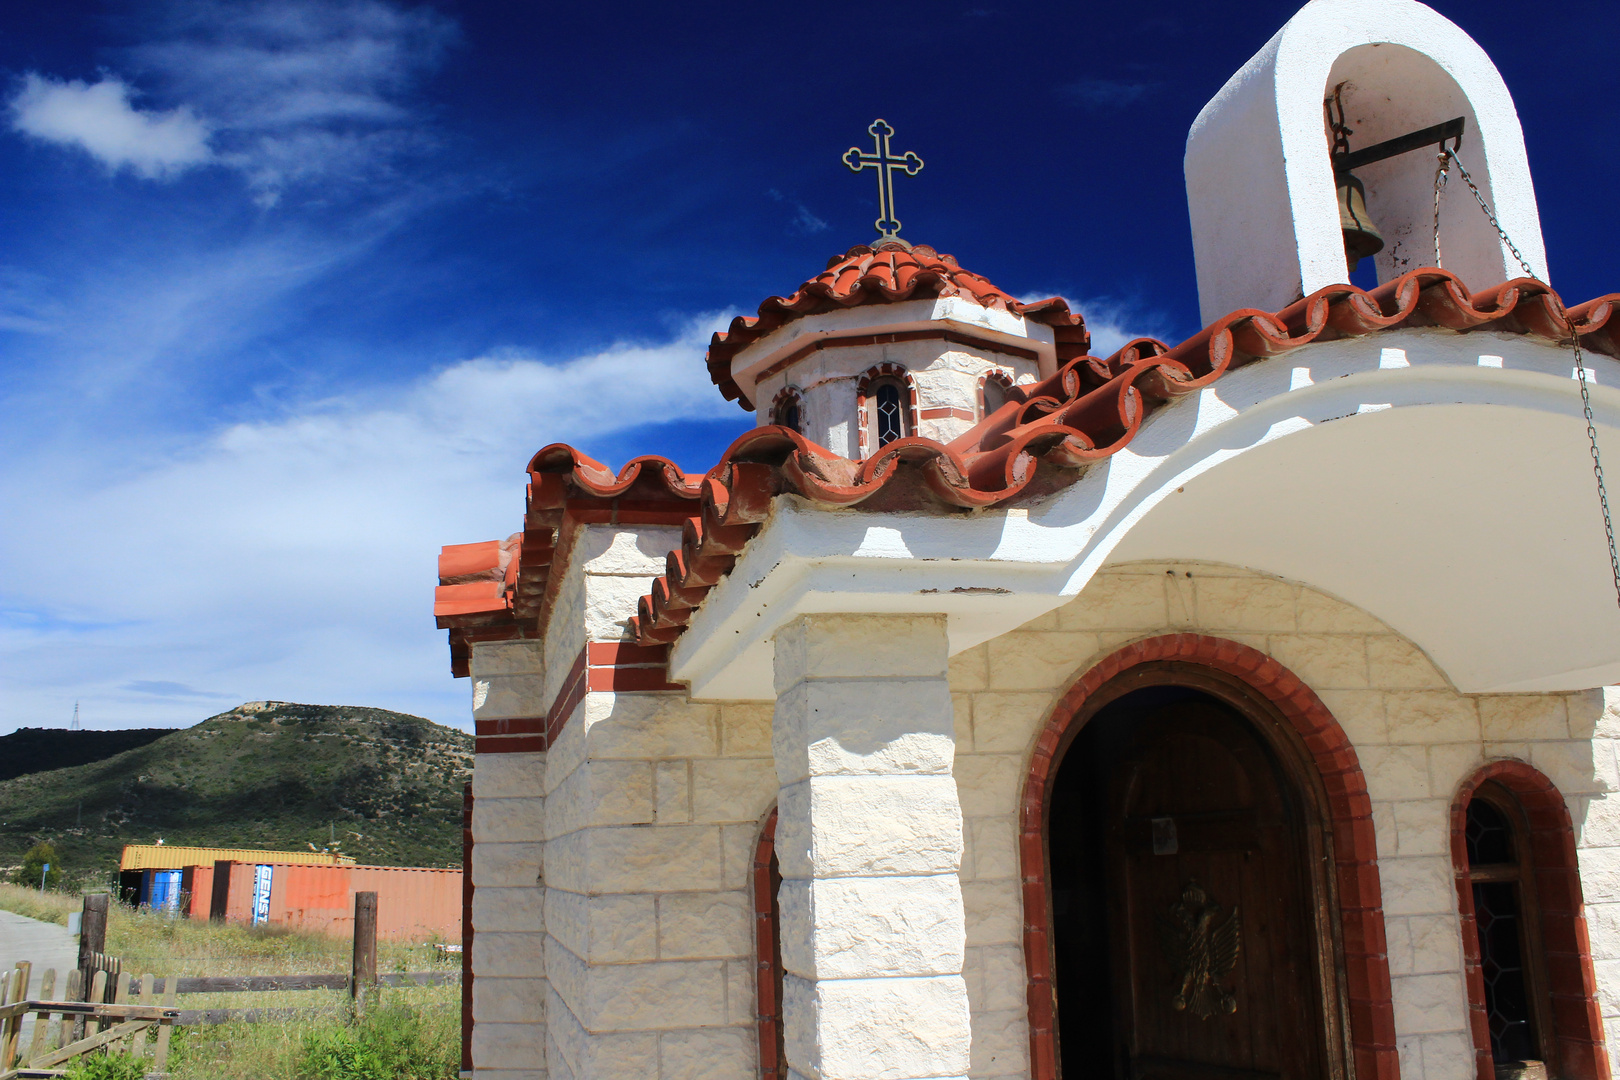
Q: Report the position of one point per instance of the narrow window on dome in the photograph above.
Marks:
(996, 385)
(888, 397)
(1504, 894)
(787, 410)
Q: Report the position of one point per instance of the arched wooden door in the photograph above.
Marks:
(1186, 921)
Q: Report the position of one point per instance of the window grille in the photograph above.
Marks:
(1499, 874)
(889, 410)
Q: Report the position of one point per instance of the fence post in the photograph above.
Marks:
(364, 974)
(92, 934)
(92, 942)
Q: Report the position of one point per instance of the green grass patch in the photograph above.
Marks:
(409, 1033)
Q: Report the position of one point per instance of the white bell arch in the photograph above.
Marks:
(1260, 189)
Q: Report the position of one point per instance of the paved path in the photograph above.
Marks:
(46, 945)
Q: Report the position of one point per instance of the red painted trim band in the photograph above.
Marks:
(609, 666)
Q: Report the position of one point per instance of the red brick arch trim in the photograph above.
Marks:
(1371, 1012)
(867, 437)
(768, 954)
(1001, 378)
(1577, 1020)
(788, 395)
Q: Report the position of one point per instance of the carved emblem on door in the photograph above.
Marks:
(1202, 948)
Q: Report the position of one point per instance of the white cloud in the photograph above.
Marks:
(301, 89)
(99, 119)
(284, 91)
(1111, 323)
(294, 557)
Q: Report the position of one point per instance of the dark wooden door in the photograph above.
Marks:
(1212, 967)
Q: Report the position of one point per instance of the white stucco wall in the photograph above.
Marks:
(946, 376)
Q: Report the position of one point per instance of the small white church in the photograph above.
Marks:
(1238, 709)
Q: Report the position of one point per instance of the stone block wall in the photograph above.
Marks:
(613, 905)
(1416, 737)
(508, 955)
(654, 807)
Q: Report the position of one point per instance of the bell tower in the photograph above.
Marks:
(1271, 216)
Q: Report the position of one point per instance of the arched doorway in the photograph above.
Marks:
(1192, 817)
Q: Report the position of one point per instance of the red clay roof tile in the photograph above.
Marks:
(884, 275)
(1035, 444)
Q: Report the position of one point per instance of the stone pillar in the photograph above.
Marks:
(869, 836)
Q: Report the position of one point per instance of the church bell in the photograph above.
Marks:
(1361, 236)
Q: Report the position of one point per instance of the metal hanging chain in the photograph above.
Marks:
(1575, 341)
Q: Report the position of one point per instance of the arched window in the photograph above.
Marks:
(993, 389)
(1507, 944)
(1505, 918)
(888, 405)
(1530, 982)
(788, 409)
(886, 401)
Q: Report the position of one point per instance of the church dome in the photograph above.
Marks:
(888, 273)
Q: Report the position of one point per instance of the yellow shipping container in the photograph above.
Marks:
(173, 857)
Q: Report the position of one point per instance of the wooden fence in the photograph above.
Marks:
(122, 1010)
(118, 1012)
(65, 1029)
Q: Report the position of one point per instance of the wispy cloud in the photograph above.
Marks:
(284, 91)
(1103, 93)
(294, 556)
(168, 689)
(99, 119)
(1111, 322)
(803, 222)
(301, 88)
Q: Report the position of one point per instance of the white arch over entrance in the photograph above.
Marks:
(1448, 496)
(1439, 481)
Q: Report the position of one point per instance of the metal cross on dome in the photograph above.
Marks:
(888, 226)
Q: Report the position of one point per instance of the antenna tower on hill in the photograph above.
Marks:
(74, 726)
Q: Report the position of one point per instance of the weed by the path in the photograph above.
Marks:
(108, 1067)
(392, 1043)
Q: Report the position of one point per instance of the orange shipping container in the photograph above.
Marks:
(413, 903)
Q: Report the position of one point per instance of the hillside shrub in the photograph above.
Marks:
(392, 1043)
(33, 864)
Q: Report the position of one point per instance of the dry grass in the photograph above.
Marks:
(45, 906)
(165, 945)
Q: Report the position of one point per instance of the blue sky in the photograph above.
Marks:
(290, 292)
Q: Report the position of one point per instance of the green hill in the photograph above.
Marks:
(29, 749)
(385, 786)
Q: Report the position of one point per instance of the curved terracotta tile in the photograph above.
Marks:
(884, 276)
(1086, 411)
